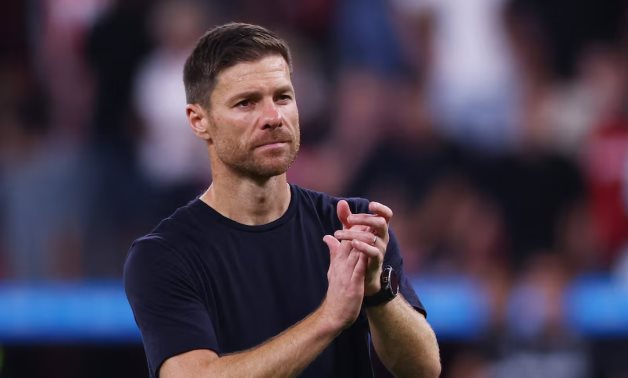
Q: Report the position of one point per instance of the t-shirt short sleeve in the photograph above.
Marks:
(171, 317)
(394, 259)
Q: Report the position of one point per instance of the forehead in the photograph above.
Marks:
(267, 71)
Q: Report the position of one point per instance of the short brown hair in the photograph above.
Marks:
(225, 46)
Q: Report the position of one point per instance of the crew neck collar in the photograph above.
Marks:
(210, 214)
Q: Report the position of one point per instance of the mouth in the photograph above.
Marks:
(273, 144)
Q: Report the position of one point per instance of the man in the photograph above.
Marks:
(238, 282)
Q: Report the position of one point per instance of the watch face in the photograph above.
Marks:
(390, 287)
(394, 281)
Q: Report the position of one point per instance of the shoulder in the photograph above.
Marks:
(186, 223)
(327, 203)
(150, 258)
(151, 247)
(166, 245)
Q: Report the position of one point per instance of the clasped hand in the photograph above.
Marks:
(356, 257)
(368, 234)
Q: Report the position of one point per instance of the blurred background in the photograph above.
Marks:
(497, 130)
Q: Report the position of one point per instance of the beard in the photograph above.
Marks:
(260, 165)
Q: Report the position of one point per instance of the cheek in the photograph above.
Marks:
(291, 113)
(227, 135)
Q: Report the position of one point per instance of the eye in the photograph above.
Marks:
(283, 98)
(244, 103)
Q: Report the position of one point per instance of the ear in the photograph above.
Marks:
(198, 120)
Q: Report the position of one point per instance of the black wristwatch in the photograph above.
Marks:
(388, 291)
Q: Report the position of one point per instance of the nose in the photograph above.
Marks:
(271, 116)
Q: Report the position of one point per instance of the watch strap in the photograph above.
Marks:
(388, 291)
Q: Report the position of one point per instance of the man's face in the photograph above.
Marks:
(253, 118)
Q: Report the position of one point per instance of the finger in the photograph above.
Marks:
(365, 236)
(353, 258)
(343, 211)
(359, 272)
(337, 249)
(381, 210)
(367, 249)
(377, 223)
(333, 244)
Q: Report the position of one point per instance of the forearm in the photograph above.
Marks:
(403, 340)
(285, 355)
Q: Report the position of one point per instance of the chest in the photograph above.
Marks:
(256, 285)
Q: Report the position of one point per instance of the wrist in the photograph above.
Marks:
(373, 288)
(328, 322)
(389, 287)
(373, 284)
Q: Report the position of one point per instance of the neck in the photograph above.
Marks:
(248, 201)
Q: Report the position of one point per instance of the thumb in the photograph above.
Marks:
(343, 211)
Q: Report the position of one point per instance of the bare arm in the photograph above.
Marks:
(287, 354)
(403, 339)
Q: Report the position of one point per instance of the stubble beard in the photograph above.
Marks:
(248, 164)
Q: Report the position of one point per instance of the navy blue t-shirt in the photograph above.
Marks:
(200, 280)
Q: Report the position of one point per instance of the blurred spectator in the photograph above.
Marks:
(173, 160)
(469, 74)
(40, 185)
(537, 343)
(560, 116)
(459, 231)
(313, 89)
(308, 18)
(371, 86)
(563, 28)
(116, 44)
(578, 241)
(59, 30)
(408, 156)
(565, 108)
(605, 156)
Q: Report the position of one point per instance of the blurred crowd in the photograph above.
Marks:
(497, 131)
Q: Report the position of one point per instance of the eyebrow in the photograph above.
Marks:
(285, 88)
(241, 95)
(257, 94)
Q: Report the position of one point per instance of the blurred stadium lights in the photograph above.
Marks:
(458, 309)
